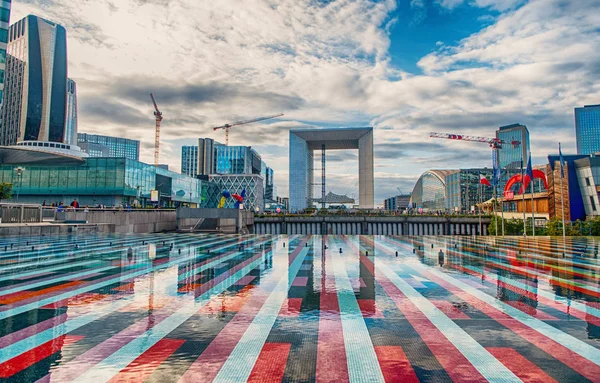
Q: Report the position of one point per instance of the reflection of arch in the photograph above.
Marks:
(537, 174)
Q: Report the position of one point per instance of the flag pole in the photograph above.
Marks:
(480, 203)
(532, 205)
(502, 207)
(562, 196)
(523, 197)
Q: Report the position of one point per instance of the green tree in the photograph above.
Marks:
(5, 191)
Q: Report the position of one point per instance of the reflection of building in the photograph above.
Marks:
(36, 83)
(397, 203)
(108, 181)
(429, 193)
(511, 155)
(588, 176)
(587, 129)
(189, 160)
(303, 143)
(574, 208)
(235, 183)
(4, 22)
(106, 146)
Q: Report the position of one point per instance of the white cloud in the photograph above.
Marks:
(327, 63)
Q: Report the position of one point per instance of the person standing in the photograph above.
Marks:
(75, 204)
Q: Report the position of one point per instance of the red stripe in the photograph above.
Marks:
(270, 365)
(369, 309)
(520, 366)
(580, 364)
(449, 309)
(395, 365)
(300, 281)
(291, 307)
(331, 351)
(22, 295)
(144, 365)
(31, 357)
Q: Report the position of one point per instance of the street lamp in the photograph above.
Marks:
(19, 171)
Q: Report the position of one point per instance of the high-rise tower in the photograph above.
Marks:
(4, 23)
(36, 89)
(587, 129)
(511, 155)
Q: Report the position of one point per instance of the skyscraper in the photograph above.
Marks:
(106, 146)
(516, 147)
(205, 162)
(587, 129)
(189, 160)
(36, 83)
(71, 119)
(4, 22)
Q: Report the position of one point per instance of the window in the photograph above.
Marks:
(587, 181)
(593, 203)
(3, 35)
(4, 15)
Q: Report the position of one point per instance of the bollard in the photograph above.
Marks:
(367, 253)
(110, 244)
(5, 248)
(11, 245)
(414, 251)
(306, 244)
(284, 244)
(208, 251)
(27, 243)
(432, 245)
(396, 253)
(32, 248)
(179, 251)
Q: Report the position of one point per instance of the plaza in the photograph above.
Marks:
(268, 308)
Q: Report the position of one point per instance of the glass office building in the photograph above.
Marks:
(587, 129)
(36, 83)
(464, 189)
(189, 160)
(4, 24)
(588, 176)
(236, 183)
(71, 122)
(106, 146)
(107, 181)
(429, 193)
(515, 150)
(267, 175)
(236, 160)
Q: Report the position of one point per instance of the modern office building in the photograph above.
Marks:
(429, 193)
(570, 191)
(4, 23)
(107, 146)
(205, 161)
(587, 129)
(236, 183)
(36, 83)
(588, 177)
(71, 122)
(304, 142)
(267, 174)
(515, 150)
(236, 160)
(464, 189)
(397, 203)
(189, 160)
(107, 181)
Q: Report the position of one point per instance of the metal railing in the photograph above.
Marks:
(21, 213)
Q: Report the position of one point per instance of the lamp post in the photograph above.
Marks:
(19, 171)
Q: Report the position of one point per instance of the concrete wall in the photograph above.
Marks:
(402, 225)
(52, 229)
(135, 221)
(222, 220)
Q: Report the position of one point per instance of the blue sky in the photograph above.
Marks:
(405, 67)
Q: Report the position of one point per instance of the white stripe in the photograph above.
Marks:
(239, 364)
(480, 358)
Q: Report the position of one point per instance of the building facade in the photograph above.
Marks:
(36, 83)
(71, 122)
(429, 193)
(4, 26)
(106, 146)
(515, 150)
(236, 160)
(397, 203)
(588, 177)
(303, 144)
(464, 189)
(205, 161)
(587, 129)
(567, 191)
(189, 160)
(107, 181)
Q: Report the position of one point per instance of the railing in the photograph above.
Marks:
(21, 213)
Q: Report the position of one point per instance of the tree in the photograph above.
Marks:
(5, 191)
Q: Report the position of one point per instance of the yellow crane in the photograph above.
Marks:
(158, 117)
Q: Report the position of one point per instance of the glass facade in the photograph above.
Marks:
(588, 176)
(429, 194)
(515, 150)
(71, 123)
(587, 129)
(4, 23)
(38, 79)
(464, 189)
(236, 160)
(235, 183)
(301, 179)
(108, 181)
(189, 160)
(107, 146)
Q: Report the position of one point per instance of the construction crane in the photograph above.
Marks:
(228, 126)
(494, 143)
(158, 116)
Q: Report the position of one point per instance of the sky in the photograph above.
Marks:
(404, 67)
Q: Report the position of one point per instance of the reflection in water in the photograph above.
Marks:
(213, 307)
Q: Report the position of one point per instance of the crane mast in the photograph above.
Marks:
(243, 122)
(158, 118)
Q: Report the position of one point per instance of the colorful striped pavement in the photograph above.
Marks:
(259, 308)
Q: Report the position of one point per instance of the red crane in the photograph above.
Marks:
(158, 117)
(228, 126)
(494, 143)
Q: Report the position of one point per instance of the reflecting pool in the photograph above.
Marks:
(201, 308)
